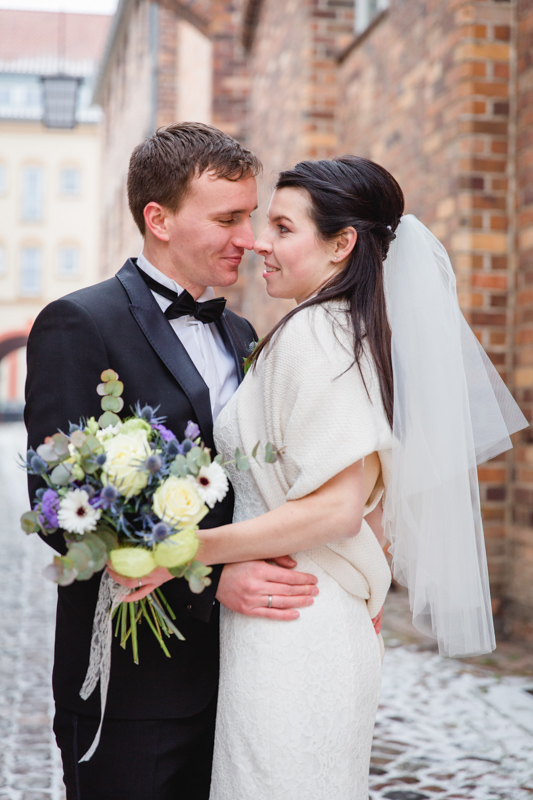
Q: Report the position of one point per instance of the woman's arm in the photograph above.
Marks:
(334, 511)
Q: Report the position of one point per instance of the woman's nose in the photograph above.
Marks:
(262, 244)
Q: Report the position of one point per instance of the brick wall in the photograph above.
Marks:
(293, 97)
(519, 591)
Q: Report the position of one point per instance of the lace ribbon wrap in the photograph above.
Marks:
(452, 411)
(110, 596)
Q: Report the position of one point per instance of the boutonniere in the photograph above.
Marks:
(248, 359)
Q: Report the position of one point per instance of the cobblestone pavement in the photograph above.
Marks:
(445, 728)
(450, 729)
(29, 760)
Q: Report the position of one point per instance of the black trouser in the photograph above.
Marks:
(167, 759)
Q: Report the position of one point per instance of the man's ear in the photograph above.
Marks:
(156, 220)
(345, 243)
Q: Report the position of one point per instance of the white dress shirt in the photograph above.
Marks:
(202, 341)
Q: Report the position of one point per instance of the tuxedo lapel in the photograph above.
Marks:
(168, 347)
(234, 342)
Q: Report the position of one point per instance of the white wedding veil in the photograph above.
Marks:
(452, 411)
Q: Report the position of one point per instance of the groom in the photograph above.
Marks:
(191, 191)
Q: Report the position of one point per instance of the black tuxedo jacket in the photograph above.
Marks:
(118, 324)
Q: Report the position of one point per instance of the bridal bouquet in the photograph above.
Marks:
(130, 493)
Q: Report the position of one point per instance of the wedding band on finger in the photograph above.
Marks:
(270, 601)
(140, 583)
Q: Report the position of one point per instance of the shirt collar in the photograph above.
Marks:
(157, 275)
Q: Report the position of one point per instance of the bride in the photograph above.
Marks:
(328, 387)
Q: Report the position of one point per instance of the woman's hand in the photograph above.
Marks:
(376, 622)
(144, 585)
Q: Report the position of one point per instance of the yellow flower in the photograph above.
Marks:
(178, 503)
(132, 562)
(126, 454)
(178, 549)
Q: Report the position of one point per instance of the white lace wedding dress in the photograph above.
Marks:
(297, 700)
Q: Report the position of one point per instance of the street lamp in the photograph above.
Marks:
(60, 96)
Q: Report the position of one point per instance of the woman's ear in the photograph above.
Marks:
(344, 244)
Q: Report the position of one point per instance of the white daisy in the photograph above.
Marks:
(211, 483)
(76, 514)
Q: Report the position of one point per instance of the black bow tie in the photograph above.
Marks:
(184, 304)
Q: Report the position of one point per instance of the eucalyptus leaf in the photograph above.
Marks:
(107, 419)
(100, 389)
(30, 522)
(179, 467)
(108, 537)
(80, 555)
(271, 454)
(242, 462)
(78, 438)
(178, 572)
(61, 475)
(114, 388)
(114, 404)
(254, 451)
(109, 375)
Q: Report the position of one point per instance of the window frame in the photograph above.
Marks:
(26, 269)
(68, 274)
(32, 198)
(366, 12)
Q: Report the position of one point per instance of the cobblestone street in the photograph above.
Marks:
(445, 729)
(29, 760)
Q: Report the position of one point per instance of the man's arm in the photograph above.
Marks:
(65, 356)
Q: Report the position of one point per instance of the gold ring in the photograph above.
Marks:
(270, 601)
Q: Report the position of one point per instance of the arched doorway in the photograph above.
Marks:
(12, 374)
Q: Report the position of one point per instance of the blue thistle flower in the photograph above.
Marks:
(108, 495)
(153, 463)
(73, 427)
(88, 489)
(173, 448)
(38, 465)
(187, 445)
(100, 459)
(146, 413)
(160, 531)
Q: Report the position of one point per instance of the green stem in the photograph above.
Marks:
(156, 634)
(133, 630)
(123, 626)
(168, 621)
(164, 600)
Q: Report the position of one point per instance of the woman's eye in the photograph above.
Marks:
(283, 229)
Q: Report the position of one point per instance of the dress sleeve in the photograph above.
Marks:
(327, 411)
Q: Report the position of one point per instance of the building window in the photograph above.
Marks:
(68, 262)
(366, 11)
(30, 271)
(32, 194)
(2, 260)
(70, 181)
(5, 96)
(3, 179)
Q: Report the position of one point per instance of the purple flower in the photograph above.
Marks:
(165, 434)
(192, 431)
(49, 508)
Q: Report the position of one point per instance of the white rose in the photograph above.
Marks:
(178, 503)
(126, 454)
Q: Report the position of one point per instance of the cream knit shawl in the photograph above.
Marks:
(308, 398)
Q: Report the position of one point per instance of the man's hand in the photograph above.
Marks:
(246, 588)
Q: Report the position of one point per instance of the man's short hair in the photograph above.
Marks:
(162, 167)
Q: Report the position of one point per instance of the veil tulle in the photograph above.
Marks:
(452, 411)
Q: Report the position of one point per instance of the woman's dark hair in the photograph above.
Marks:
(344, 192)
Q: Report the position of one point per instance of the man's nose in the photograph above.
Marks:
(245, 236)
